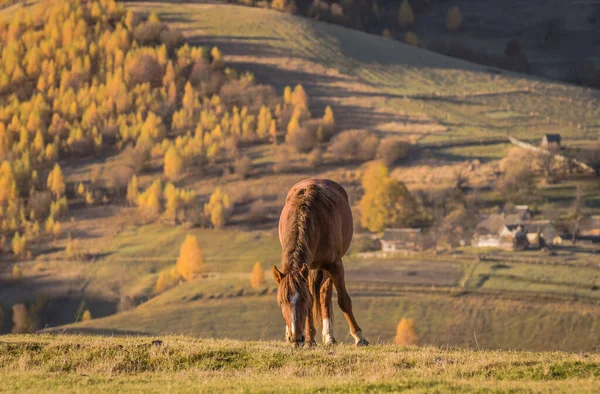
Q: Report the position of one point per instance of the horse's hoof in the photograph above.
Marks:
(362, 342)
(328, 341)
(312, 344)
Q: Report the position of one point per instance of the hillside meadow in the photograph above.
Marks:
(184, 364)
(456, 114)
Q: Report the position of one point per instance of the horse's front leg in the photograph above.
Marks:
(345, 303)
(311, 331)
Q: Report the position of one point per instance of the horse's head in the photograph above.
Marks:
(295, 301)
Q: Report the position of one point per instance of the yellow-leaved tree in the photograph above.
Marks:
(386, 202)
(406, 334)
(454, 19)
(56, 181)
(173, 163)
(218, 208)
(257, 280)
(405, 14)
(191, 258)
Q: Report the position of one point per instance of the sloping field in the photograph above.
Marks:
(441, 318)
(381, 84)
(184, 364)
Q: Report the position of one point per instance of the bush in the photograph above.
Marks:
(391, 150)
(39, 203)
(118, 177)
(303, 139)
(315, 158)
(258, 211)
(354, 145)
(73, 250)
(243, 166)
(145, 69)
(282, 160)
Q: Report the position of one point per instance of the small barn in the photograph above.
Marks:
(550, 141)
(402, 239)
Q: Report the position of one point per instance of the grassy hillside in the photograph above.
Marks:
(385, 85)
(184, 364)
(387, 88)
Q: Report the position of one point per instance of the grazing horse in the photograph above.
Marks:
(315, 230)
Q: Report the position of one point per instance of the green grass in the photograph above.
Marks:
(185, 364)
(441, 317)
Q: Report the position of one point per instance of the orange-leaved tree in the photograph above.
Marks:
(406, 333)
(191, 258)
(257, 280)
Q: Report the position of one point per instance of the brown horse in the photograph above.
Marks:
(315, 230)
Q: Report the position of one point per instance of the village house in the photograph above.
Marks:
(589, 227)
(551, 141)
(514, 231)
(402, 239)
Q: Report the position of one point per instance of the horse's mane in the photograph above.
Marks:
(308, 203)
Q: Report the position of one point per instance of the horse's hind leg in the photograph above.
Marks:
(327, 312)
(345, 303)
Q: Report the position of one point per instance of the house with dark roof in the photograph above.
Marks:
(492, 231)
(402, 239)
(550, 140)
(589, 227)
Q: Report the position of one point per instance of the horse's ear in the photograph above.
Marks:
(277, 274)
(304, 271)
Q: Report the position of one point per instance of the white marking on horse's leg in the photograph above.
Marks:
(328, 338)
(359, 340)
(287, 332)
(293, 301)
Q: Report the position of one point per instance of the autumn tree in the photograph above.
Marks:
(299, 97)
(411, 39)
(405, 14)
(191, 258)
(173, 163)
(21, 321)
(167, 278)
(218, 208)
(454, 19)
(327, 124)
(518, 184)
(56, 181)
(257, 279)
(87, 315)
(386, 202)
(17, 274)
(406, 335)
(132, 190)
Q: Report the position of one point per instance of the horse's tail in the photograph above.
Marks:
(315, 280)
